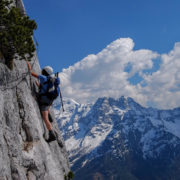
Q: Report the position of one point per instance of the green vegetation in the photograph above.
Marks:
(69, 176)
(16, 31)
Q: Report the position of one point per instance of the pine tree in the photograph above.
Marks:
(16, 31)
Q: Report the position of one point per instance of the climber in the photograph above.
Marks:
(46, 97)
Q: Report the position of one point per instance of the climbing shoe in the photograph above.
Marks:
(52, 136)
(50, 117)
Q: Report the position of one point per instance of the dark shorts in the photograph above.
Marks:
(44, 103)
(44, 108)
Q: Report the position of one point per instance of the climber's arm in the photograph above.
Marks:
(37, 83)
(33, 73)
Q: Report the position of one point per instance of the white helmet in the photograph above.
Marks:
(48, 69)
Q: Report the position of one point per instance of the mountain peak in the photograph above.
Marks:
(123, 102)
(112, 130)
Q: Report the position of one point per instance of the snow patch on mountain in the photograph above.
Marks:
(96, 138)
(146, 140)
(173, 127)
(169, 120)
(86, 127)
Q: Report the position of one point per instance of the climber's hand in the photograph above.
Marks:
(29, 66)
(30, 69)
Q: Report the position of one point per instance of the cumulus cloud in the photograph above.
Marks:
(163, 86)
(108, 73)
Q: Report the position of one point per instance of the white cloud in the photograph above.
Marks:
(164, 85)
(106, 74)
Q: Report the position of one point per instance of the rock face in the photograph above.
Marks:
(24, 153)
(118, 139)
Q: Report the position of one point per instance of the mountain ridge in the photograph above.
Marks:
(120, 127)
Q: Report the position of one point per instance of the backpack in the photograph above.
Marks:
(53, 89)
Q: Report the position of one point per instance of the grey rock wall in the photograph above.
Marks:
(24, 153)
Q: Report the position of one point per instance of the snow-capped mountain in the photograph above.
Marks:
(144, 142)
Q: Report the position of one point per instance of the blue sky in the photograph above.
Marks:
(70, 30)
(137, 40)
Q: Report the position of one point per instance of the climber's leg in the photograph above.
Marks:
(46, 119)
(52, 135)
(44, 105)
(49, 115)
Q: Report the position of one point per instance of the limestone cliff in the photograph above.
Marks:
(24, 153)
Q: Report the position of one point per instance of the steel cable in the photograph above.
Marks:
(5, 86)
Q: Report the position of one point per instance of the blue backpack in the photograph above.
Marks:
(53, 89)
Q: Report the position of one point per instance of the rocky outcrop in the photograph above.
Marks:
(24, 153)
